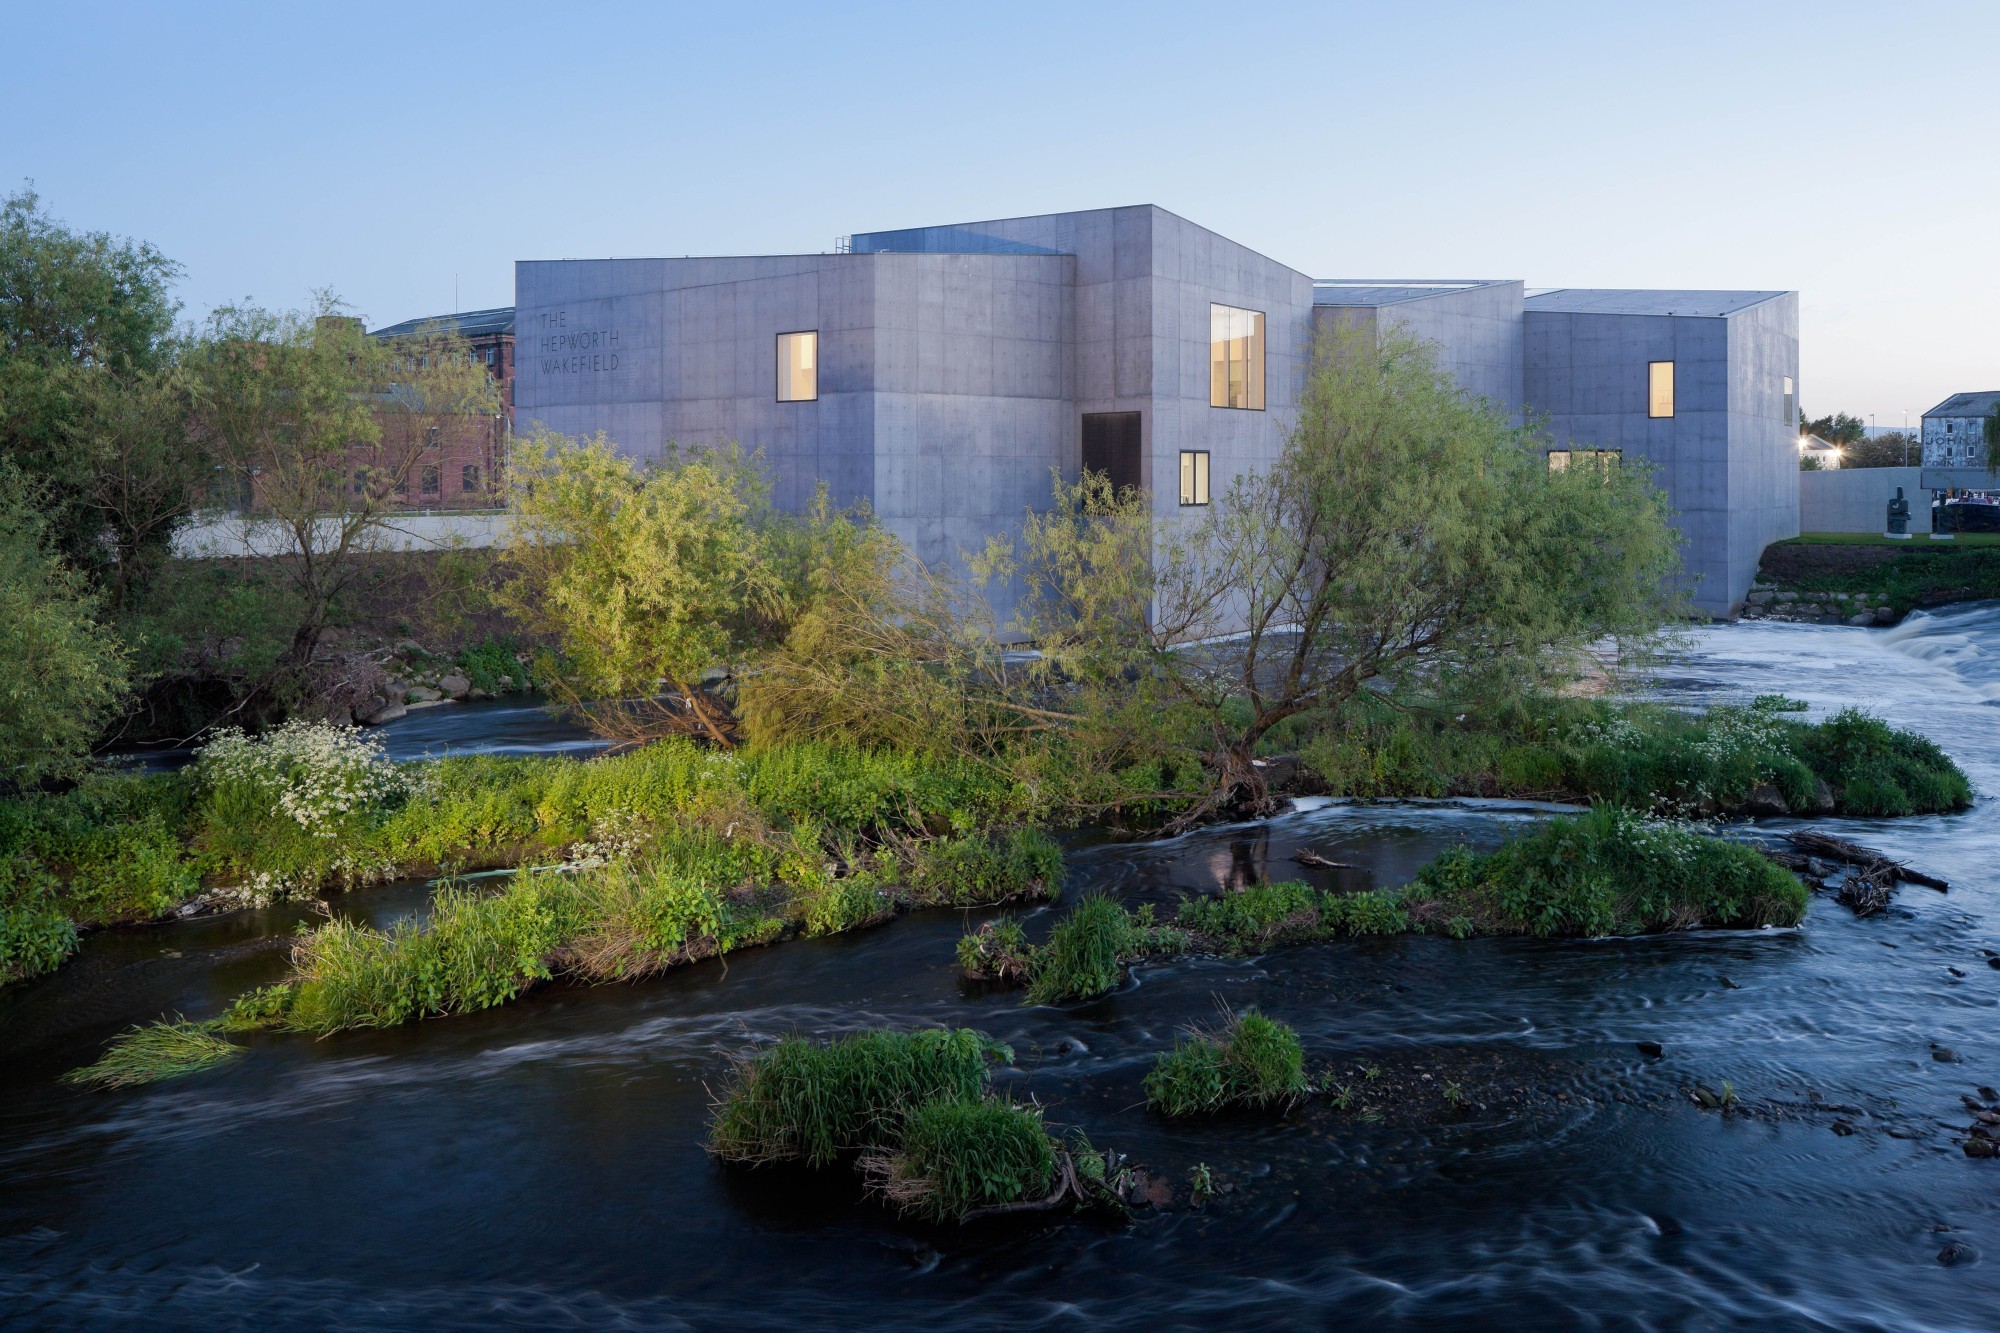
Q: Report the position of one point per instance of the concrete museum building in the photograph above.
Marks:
(940, 373)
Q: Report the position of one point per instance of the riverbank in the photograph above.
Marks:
(1833, 579)
(1573, 1165)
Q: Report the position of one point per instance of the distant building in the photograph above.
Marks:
(1955, 430)
(463, 465)
(1825, 451)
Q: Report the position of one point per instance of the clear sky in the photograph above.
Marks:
(401, 153)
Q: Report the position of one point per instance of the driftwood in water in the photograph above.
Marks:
(1812, 841)
(1866, 889)
(1306, 856)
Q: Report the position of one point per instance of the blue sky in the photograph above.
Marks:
(391, 151)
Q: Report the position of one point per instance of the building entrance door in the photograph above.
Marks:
(1111, 446)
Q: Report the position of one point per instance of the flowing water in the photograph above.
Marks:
(541, 1163)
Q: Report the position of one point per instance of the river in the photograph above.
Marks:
(541, 1163)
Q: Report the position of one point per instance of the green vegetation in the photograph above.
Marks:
(847, 835)
(65, 672)
(160, 1050)
(911, 1110)
(1643, 756)
(1607, 872)
(1253, 1062)
(1918, 572)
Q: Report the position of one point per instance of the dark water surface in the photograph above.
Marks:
(541, 1164)
(515, 724)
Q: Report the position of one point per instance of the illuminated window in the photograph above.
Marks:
(1194, 476)
(1560, 460)
(1659, 388)
(1790, 400)
(798, 367)
(1236, 357)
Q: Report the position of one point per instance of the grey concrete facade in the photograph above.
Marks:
(956, 366)
(1727, 456)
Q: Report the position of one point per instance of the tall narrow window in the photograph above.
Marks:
(1791, 401)
(1235, 357)
(1659, 388)
(1194, 476)
(798, 367)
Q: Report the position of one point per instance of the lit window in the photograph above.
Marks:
(1788, 400)
(1560, 460)
(1659, 388)
(1236, 357)
(1194, 476)
(798, 367)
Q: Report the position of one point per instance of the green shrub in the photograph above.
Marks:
(1607, 872)
(816, 1101)
(957, 1155)
(1254, 1062)
(1365, 912)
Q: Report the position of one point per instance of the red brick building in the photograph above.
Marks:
(464, 464)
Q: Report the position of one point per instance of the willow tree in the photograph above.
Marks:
(1407, 535)
(653, 578)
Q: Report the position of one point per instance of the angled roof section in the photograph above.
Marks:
(467, 324)
(1631, 301)
(1391, 291)
(1982, 404)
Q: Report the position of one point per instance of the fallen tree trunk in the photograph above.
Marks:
(1814, 842)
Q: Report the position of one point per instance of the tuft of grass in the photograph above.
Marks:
(1254, 1061)
(1876, 770)
(1606, 872)
(1086, 954)
(166, 1049)
(957, 1155)
(817, 1101)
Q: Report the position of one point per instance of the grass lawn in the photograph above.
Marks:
(1916, 539)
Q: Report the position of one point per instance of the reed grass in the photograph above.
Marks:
(815, 1102)
(166, 1049)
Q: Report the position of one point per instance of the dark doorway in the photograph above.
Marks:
(1111, 446)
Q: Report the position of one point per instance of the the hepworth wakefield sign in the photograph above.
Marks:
(561, 349)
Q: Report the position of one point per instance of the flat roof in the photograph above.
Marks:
(1390, 291)
(1636, 301)
(467, 323)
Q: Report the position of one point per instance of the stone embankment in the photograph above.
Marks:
(1766, 602)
